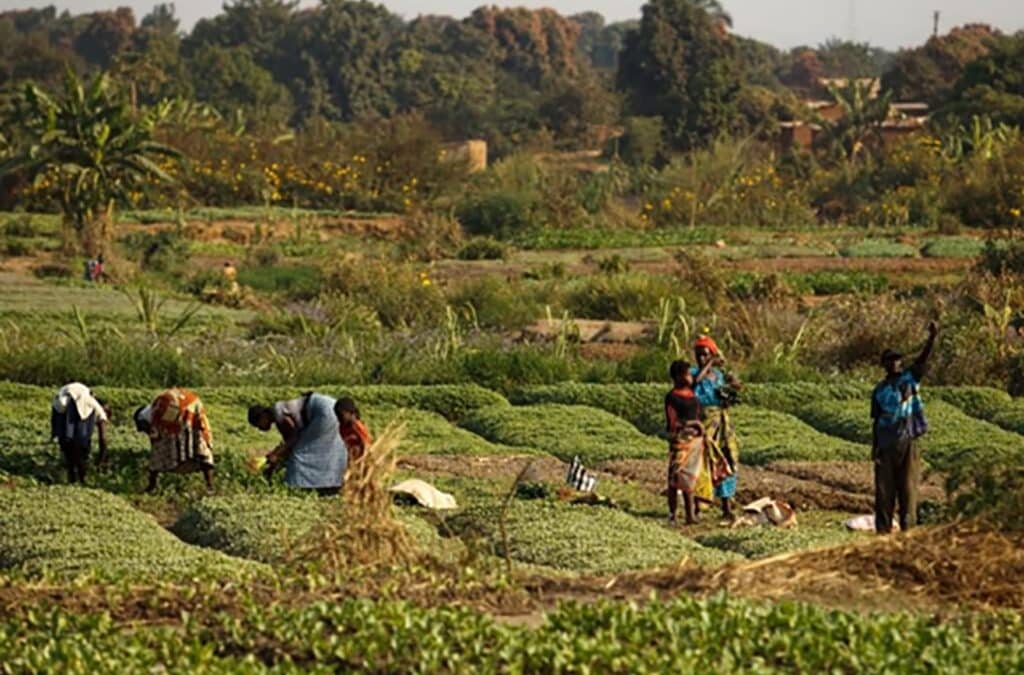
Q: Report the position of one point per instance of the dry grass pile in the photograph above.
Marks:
(964, 563)
(360, 531)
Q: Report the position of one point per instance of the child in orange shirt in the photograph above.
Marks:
(353, 431)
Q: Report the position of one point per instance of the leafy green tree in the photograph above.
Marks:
(680, 66)
(535, 44)
(993, 85)
(230, 79)
(88, 147)
(846, 59)
(929, 73)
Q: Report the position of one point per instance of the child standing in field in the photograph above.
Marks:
(685, 443)
(353, 431)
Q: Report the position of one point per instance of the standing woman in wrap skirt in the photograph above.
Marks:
(721, 446)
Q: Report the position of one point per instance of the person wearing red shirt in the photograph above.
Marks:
(685, 442)
(353, 431)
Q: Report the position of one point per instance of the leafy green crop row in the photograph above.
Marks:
(716, 635)
(767, 436)
(814, 530)
(450, 401)
(268, 527)
(564, 431)
(69, 531)
(581, 538)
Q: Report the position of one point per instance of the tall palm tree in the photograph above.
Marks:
(87, 146)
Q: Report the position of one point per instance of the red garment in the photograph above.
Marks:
(707, 342)
(357, 439)
(681, 408)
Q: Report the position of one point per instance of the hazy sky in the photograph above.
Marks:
(784, 23)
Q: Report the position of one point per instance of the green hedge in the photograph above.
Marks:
(564, 431)
(71, 531)
(581, 538)
(643, 405)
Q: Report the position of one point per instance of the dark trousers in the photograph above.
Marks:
(76, 457)
(897, 474)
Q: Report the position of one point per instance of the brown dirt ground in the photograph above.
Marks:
(857, 477)
(491, 467)
(755, 482)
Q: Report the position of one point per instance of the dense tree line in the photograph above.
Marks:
(510, 75)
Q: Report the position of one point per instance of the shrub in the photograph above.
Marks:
(18, 248)
(72, 531)
(159, 251)
(113, 361)
(499, 304)
(498, 214)
(581, 538)
(504, 369)
(878, 248)
(618, 297)
(482, 248)
(294, 281)
(1002, 257)
(52, 271)
(829, 282)
(21, 226)
(564, 431)
(641, 142)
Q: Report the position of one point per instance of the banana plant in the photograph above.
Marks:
(85, 145)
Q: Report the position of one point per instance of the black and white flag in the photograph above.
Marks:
(578, 477)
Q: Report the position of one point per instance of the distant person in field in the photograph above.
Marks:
(74, 414)
(230, 273)
(686, 470)
(179, 433)
(898, 420)
(311, 449)
(353, 432)
(94, 269)
(721, 446)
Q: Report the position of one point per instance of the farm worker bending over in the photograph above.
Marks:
(721, 447)
(353, 432)
(179, 435)
(74, 413)
(685, 443)
(898, 416)
(312, 450)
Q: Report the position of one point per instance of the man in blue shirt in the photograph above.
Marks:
(898, 420)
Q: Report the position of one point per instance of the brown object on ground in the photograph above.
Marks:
(754, 482)
(856, 477)
(364, 533)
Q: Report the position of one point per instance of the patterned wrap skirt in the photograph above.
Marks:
(180, 438)
(723, 451)
(687, 469)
